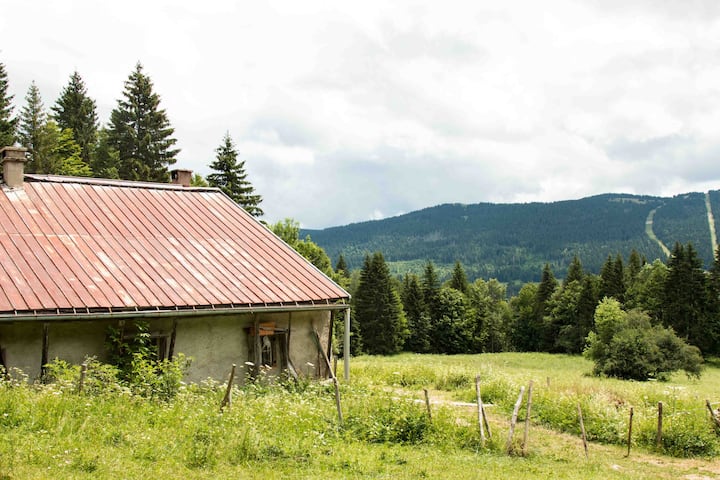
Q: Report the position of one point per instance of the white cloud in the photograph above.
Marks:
(345, 112)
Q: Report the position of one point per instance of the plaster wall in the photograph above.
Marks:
(213, 342)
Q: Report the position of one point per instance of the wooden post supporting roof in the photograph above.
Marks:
(346, 345)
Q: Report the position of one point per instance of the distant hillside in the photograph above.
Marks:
(512, 242)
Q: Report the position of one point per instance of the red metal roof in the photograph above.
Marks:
(87, 245)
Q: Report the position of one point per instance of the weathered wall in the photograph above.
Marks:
(214, 342)
(70, 341)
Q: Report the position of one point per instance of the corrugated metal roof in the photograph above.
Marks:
(87, 245)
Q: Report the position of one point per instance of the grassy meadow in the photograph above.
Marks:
(291, 430)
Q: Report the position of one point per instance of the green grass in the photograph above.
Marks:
(293, 432)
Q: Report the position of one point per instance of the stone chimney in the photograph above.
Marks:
(13, 165)
(181, 177)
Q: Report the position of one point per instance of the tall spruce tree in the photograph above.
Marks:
(574, 272)
(341, 265)
(459, 280)
(548, 284)
(74, 110)
(32, 121)
(687, 303)
(231, 178)
(106, 159)
(612, 283)
(140, 131)
(378, 310)
(8, 124)
(418, 322)
(431, 291)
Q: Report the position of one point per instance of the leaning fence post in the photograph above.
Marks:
(713, 417)
(227, 399)
(513, 420)
(582, 429)
(527, 419)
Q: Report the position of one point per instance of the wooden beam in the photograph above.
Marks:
(45, 347)
(173, 334)
(346, 345)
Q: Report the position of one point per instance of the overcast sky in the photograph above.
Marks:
(349, 111)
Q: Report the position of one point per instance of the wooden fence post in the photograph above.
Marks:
(629, 439)
(582, 429)
(81, 382)
(227, 399)
(513, 420)
(527, 419)
(427, 403)
(658, 439)
(480, 412)
(713, 416)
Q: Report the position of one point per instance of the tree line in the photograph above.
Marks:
(137, 143)
(658, 310)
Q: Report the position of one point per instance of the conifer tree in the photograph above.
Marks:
(459, 280)
(687, 304)
(548, 285)
(140, 131)
(32, 120)
(231, 178)
(418, 322)
(74, 110)
(611, 279)
(8, 124)
(431, 290)
(341, 265)
(575, 271)
(106, 159)
(635, 264)
(378, 309)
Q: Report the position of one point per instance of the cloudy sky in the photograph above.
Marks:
(349, 111)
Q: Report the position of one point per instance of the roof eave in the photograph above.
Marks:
(338, 304)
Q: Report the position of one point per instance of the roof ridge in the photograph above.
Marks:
(113, 183)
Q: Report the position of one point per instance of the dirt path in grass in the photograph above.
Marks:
(551, 443)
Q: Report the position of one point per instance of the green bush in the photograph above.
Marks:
(626, 345)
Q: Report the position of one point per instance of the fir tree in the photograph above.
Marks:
(418, 322)
(8, 124)
(32, 120)
(459, 280)
(341, 265)
(548, 285)
(231, 178)
(106, 159)
(431, 289)
(575, 271)
(635, 264)
(378, 309)
(141, 133)
(74, 110)
(611, 279)
(686, 305)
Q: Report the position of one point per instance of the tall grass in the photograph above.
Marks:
(291, 430)
(561, 382)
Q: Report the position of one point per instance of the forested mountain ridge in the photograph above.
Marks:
(512, 242)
